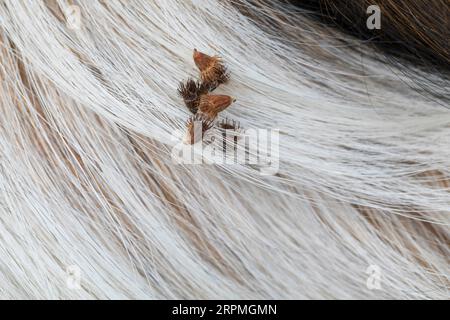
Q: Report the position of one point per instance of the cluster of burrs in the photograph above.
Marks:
(199, 100)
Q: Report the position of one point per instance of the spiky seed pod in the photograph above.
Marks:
(197, 125)
(211, 105)
(191, 91)
(212, 69)
(227, 124)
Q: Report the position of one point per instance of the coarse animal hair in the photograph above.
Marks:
(93, 206)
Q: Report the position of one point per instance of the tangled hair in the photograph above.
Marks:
(93, 205)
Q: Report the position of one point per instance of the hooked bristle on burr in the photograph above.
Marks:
(228, 124)
(197, 125)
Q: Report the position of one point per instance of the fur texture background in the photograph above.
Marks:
(89, 188)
